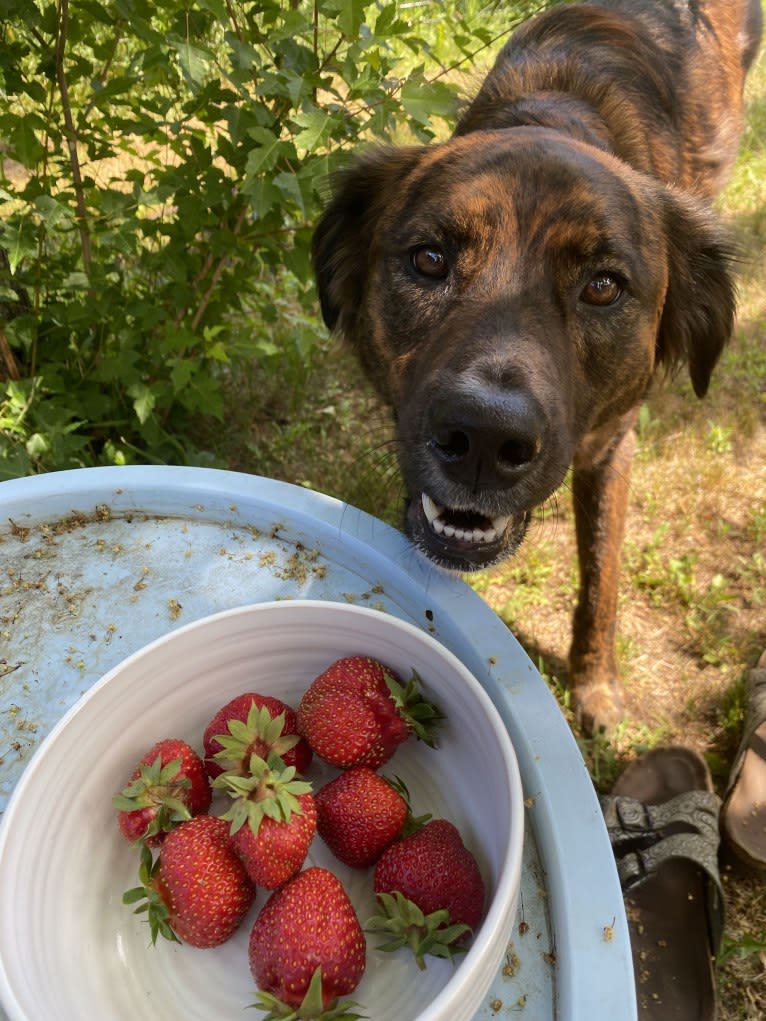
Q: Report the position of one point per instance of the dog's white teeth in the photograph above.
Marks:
(431, 509)
(464, 534)
(500, 523)
(441, 526)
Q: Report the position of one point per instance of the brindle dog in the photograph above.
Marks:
(513, 291)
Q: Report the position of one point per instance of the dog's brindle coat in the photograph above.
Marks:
(512, 291)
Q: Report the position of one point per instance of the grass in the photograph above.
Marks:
(693, 589)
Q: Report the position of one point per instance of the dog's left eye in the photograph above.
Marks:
(430, 261)
(604, 289)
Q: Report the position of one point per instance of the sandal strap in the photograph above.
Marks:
(629, 820)
(756, 700)
(643, 836)
(755, 715)
(636, 867)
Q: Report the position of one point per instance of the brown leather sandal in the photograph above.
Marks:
(663, 822)
(743, 817)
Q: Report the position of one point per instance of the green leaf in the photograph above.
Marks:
(269, 149)
(37, 445)
(51, 210)
(423, 100)
(24, 145)
(350, 15)
(740, 949)
(292, 23)
(316, 128)
(217, 352)
(262, 194)
(182, 371)
(289, 187)
(195, 63)
(144, 400)
(388, 23)
(76, 282)
(216, 7)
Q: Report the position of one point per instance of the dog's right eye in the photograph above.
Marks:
(429, 261)
(604, 289)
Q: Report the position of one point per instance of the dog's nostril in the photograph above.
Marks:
(452, 444)
(517, 452)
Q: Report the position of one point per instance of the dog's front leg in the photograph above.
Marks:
(601, 481)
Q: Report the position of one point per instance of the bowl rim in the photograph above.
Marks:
(503, 903)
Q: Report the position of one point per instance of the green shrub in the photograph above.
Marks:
(161, 166)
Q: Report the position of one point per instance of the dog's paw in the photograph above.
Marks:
(598, 706)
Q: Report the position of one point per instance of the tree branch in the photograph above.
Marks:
(70, 133)
(11, 368)
(216, 276)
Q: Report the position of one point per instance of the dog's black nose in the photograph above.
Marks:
(485, 440)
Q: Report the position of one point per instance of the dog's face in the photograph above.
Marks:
(509, 293)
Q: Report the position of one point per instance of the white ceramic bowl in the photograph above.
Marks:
(69, 948)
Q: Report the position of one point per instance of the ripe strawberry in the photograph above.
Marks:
(197, 891)
(168, 786)
(253, 724)
(273, 820)
(357, 713)
(359, 814)
(307, 949)
(430, 890)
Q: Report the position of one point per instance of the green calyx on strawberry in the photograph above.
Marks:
(272, 817)
(422, 717)
(357, 713)
(307, 950)
(412, 822)
(253, 724)
(311, 1007)
(149, 899)
(404, 922)
(197, 890)
(270, 791)
(430, 891)
(167, 787)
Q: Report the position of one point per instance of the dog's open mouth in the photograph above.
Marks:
(461, 525)
(462, 539)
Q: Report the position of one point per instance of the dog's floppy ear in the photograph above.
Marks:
(345, 232)
(698, 316)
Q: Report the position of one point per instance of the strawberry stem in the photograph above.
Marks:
(422, 717)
